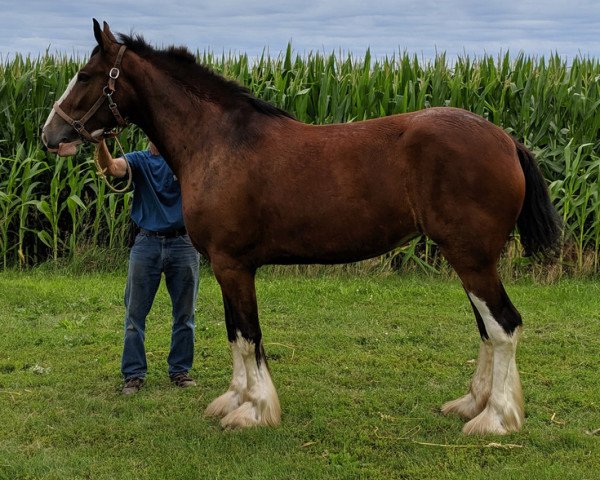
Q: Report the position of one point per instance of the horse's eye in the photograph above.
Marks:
(82, 77)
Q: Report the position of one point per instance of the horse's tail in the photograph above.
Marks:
(539, 224)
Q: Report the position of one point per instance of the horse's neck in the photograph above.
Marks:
(180, 125)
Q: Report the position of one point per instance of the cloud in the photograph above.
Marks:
(457, 27)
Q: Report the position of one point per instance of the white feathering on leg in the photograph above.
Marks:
(261, 405)
(504, 411)
(473, 403)
(236, 395)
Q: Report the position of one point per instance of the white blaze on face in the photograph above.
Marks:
(60, 100)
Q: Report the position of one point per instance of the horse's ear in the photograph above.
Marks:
(98, 34)
(104, 37)
(108, 33)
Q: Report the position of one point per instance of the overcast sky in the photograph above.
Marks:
(568, 27)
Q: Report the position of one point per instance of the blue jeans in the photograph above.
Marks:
(179, 261)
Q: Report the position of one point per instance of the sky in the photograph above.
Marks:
(474, 27)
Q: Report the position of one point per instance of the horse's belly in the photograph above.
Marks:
(342, 245)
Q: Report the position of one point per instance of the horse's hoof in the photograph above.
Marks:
(242, 417)
(492, 422)
(248, 415)
(223, 405)
(465, 407)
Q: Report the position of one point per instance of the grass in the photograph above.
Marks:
(362, 365)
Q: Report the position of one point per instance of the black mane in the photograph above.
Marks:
(182, 65)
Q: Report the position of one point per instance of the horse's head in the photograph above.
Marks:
(93, 101)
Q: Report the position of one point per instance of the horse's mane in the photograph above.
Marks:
(181, 64)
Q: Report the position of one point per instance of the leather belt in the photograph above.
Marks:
(166, 234)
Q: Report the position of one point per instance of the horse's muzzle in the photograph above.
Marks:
(64, 148)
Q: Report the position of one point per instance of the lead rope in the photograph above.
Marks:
(101, 171)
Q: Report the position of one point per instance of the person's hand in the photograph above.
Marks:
(103, 156)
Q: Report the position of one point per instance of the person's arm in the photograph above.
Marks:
(116, 167)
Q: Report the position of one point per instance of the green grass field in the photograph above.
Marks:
(362, 365)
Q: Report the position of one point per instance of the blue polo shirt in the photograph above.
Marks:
(156, 193)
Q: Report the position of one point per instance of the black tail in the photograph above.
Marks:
(539, 223)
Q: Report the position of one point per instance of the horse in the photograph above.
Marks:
(260, 187)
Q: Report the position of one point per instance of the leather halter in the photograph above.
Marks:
(107, 92)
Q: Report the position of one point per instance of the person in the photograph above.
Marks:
(162, 246)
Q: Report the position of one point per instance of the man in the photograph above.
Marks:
(161, 246)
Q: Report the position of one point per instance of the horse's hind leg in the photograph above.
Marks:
(251, 399)
(473, 403)
(504, 410)
(495, 402)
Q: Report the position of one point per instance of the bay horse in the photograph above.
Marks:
(260, 187)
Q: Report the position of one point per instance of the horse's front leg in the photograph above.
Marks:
(251, 399)
(235, 396)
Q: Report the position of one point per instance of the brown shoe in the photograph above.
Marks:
(132, 386)
(183, 380)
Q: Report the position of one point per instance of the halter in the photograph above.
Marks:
(79, 125)
(107, 93)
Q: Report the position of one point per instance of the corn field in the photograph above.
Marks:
(52, 208)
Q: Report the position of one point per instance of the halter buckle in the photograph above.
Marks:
(78, 126)
(114, 73)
